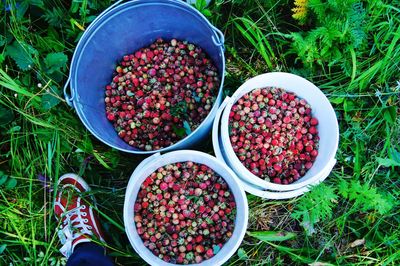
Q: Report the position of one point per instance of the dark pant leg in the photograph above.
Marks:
(88, 254)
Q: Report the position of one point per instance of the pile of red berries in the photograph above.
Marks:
(161, 93)
(184, 213)
(274, 134)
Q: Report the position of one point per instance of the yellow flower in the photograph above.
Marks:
(300, 10)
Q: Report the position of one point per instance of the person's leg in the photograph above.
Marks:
(89, 254)
(79, 224)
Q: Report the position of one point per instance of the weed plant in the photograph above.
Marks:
(350, 49)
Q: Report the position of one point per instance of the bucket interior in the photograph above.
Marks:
(321, 109)
(122, 31)
(152, 165)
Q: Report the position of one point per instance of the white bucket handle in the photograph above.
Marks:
(286, 194)
(215, 130)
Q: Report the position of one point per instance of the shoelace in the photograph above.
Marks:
(71, 229)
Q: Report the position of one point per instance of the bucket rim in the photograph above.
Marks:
(230, 177)
(234, 161)
(102, 19)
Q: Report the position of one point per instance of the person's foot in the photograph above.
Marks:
(73, 209)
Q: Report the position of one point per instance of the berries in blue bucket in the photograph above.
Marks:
(161, 93)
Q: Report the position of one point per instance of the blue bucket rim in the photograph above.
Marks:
(103, 18)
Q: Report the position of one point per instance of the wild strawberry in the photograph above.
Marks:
(156, 79)
(284, 136)
(167, 220)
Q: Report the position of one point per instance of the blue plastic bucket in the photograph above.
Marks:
(122, 29)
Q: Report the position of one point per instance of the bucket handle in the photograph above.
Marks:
(266, 194)
(68, 98)
(215, 130)
(218, 38)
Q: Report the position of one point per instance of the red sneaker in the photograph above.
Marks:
(73, 209)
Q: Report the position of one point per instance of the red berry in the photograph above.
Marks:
(199, 249)
(277, 167)
(277, 180)
(314, 153)
(111, 117)
(312, 130)
(199, 238)
(314, 121)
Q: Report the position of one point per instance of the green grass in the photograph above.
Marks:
(39, 134)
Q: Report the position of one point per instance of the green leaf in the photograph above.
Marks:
(395, 155)
(38, 3)
(336, 100)
(242, 254)
(101, 160)
(2, 40)
(343, 188)
(14, 129)
(51, 98)
(206, 12)
(348, 105)
(187, 128)
(55, 17)
(180, 132)
(3, 178)
(271, 236)
(200, 4)
(390, 115)
(365, 198)
(21, 9)
(179, 109)
(11, 183)
(22, 54)
(315, 206)
(387, 162)
(6, 116)
(55, 61)
(2, 248)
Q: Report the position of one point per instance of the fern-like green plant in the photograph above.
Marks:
(55, 17)
(338, 31)
(365, 198)
(319, 204)
(315, 206)
(300, 10)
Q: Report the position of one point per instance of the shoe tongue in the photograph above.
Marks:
(69, 203)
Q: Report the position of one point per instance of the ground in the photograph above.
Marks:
(349, 49)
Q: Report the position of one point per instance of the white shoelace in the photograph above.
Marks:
(71, 229)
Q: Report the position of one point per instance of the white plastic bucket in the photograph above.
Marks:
(328, 132)
(151, 164)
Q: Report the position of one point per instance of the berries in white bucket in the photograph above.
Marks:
(274, 134)
(184, 213)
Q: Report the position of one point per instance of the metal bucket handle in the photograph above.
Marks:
(69, 98)
(218, 39)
